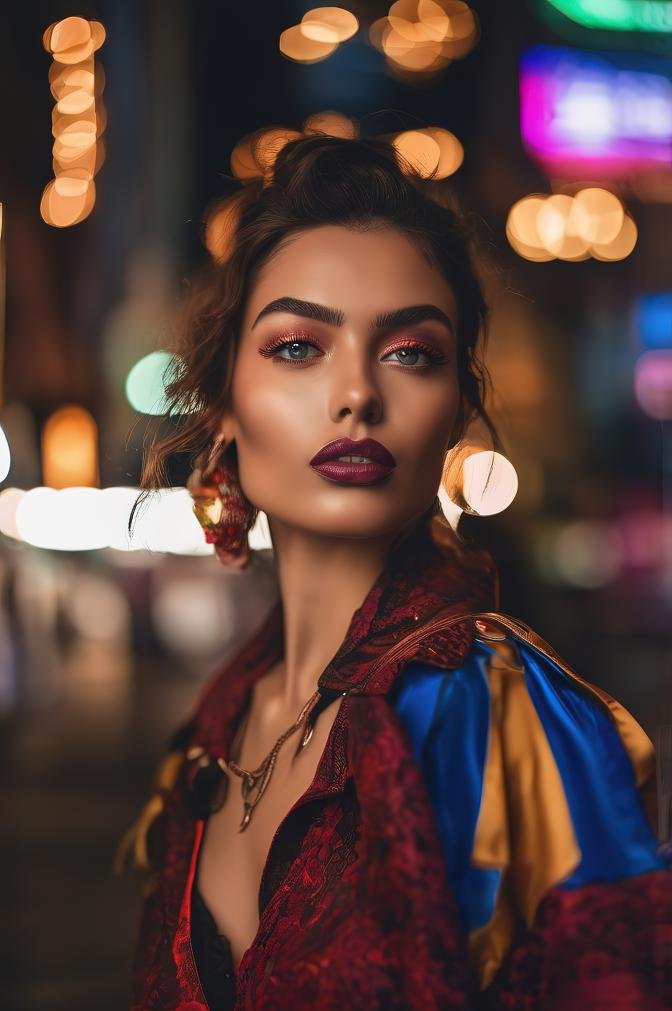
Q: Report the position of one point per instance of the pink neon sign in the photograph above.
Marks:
(584, 112)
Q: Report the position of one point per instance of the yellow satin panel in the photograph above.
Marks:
(636, 741)
(524, 825)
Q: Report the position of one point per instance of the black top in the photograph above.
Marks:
(212, 950)
(214, 959)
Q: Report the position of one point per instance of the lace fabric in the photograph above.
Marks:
(359, 909)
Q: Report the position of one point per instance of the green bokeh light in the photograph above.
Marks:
(618, 15)
(145, 390)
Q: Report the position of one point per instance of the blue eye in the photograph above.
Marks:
(432, 356)
(297, 352)
(411, 352)
(293, 347)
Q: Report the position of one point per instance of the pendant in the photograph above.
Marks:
(246, 817)
(307, 734)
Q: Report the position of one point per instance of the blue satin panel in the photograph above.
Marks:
(447, 716)
(611, 825)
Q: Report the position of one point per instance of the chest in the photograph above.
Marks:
(231, 863)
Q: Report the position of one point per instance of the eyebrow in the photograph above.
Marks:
(336, 317)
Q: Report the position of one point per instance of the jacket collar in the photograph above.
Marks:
(427, 572)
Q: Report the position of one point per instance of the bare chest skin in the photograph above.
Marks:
(230, 862)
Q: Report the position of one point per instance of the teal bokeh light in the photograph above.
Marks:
(145, 383)
(618, 15)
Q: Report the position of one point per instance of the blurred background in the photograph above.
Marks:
(125, 123)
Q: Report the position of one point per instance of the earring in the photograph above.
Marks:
(221, 507)
(476, 479)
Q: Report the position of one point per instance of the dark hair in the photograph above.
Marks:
(315, 180)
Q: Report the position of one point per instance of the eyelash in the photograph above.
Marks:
(435, 357)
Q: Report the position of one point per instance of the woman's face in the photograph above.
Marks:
(344, 375)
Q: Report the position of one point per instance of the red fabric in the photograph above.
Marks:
(363, 917)
(601, 947)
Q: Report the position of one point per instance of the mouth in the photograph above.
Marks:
(348, 461)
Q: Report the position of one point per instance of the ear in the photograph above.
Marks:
(225, 427)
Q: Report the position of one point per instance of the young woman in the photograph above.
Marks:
(394, 796)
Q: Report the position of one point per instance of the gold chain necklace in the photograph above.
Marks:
(258, 779)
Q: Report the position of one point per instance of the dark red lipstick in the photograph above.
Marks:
(379, 461)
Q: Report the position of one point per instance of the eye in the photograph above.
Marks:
(409, 355)
(296, 350)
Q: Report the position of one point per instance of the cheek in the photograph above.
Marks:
(430, 419)
(271, 418)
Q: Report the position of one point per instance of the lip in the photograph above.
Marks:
(370, 448)
(326, 463)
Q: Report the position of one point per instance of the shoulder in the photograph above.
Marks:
(530, 764)
(538, 779)
(513, 682)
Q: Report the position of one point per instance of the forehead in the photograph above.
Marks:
(360, 272)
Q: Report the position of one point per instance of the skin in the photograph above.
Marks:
(329, 539)
(350, 385)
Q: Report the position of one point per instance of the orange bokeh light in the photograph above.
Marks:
(78, 119)
(621, 245)
(220, 230)
(332, 124)
(568, 227)
(267, 145)
(329, 24)
(70, 449)
(296, 46)
(421, 37)
(62, 209)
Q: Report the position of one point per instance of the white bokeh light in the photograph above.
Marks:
(489, 482)
(5, 455)
(66, 520)
(9, 501)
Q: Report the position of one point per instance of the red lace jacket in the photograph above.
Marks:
(477, 835)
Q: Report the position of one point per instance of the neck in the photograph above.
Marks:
(323, 580)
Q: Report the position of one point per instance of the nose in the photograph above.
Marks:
(353, 388)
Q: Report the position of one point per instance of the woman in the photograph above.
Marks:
(393, 796)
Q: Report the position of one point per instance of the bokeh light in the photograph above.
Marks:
(9, 501)
(479, 481)
(67, 200)
(432, 152)
(420, 150)
(592, 222)
(97, 608)
(268, 144)
(582, 554)
(618, 15)
(70, 448)
(78, 120)
(522, 231)
(585, 113)
(329, 24)
(331, 124)
(5, 455)
(298, 47)
(64, 520)
(653, 319)
(653, 383)
(189, 621)
(220, 230)
(420, 38)
(489, 483)
(621, 246)
(145, 389)
(167, 523)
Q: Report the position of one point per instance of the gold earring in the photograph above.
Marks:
(220, 505)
